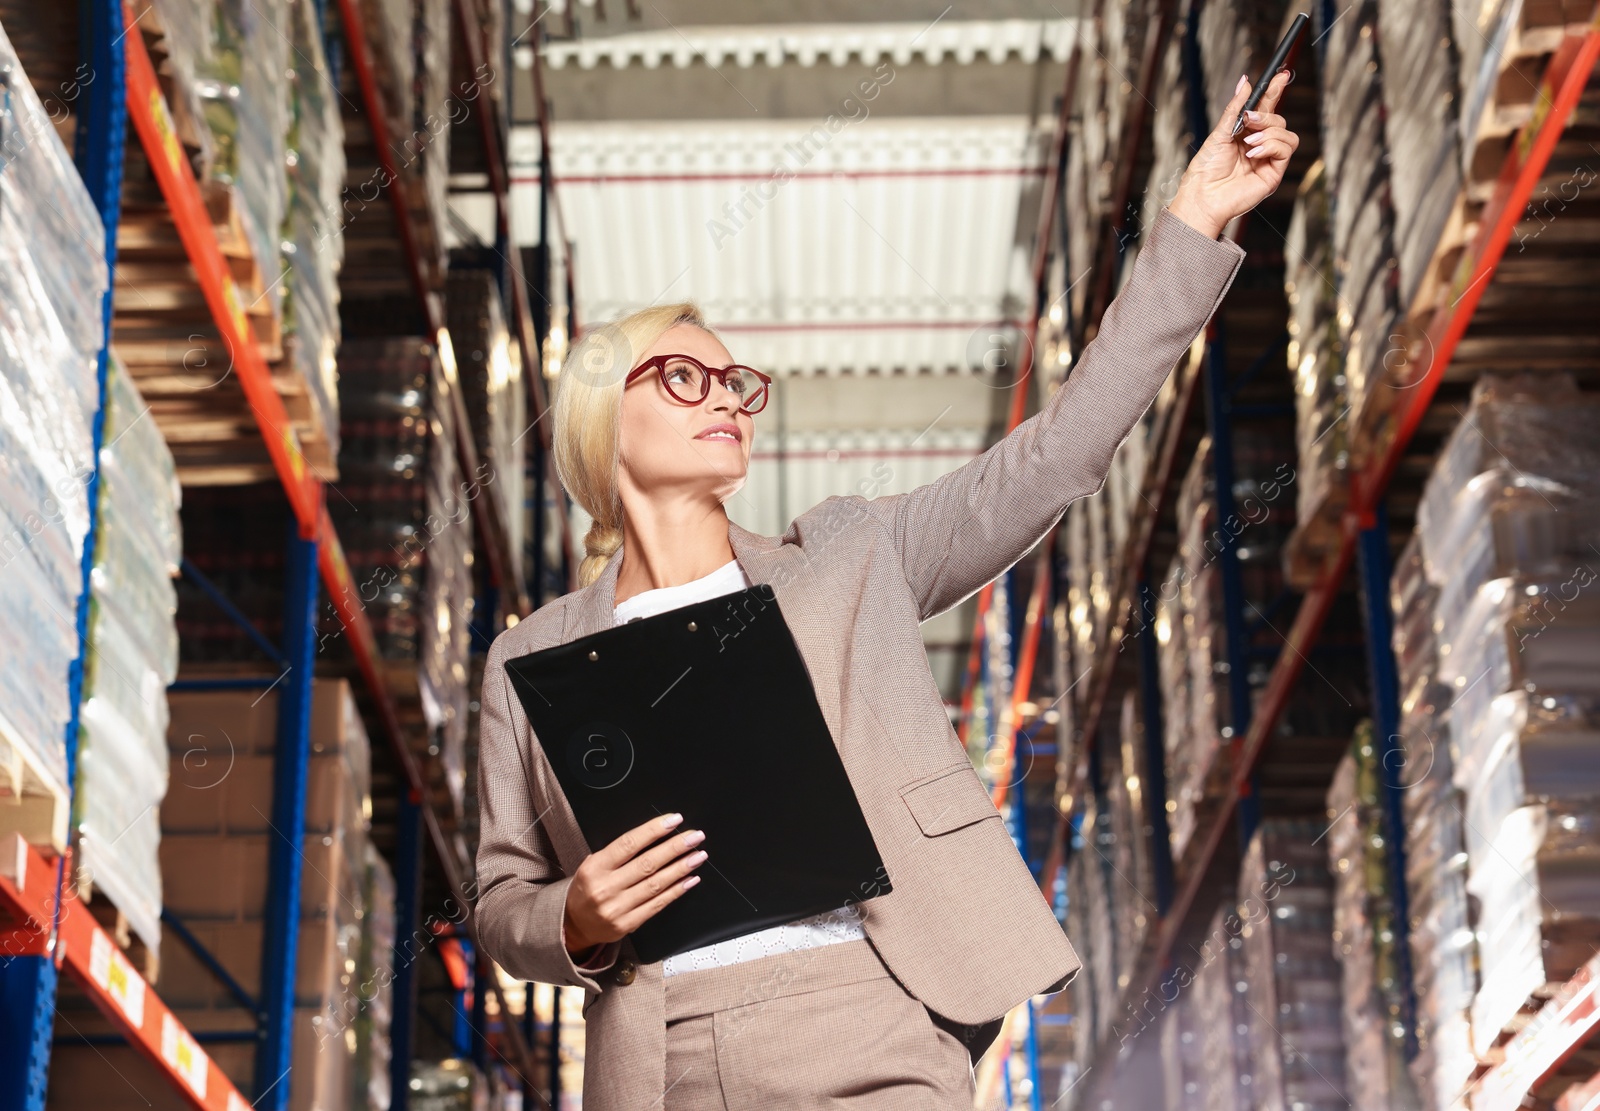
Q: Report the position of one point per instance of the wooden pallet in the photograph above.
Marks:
(1513, 96)
(32, 801)
(1314, 543)
(115, 924)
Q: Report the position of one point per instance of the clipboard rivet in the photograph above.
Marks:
(593, 655)
(693, 626)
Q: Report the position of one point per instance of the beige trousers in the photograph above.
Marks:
(820, 1028)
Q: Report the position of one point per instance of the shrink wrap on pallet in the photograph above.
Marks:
(1289, 978)
(52, 280)
(132, 658)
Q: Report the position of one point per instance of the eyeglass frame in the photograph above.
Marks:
(658, 363)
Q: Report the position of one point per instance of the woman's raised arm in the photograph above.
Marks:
(962, 530)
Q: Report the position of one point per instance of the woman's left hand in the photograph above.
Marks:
(1230, 175)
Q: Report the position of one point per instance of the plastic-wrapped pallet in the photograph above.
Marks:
(1137, 907)
(375, 974)
(133, 658)
(1516, 490)
(1443, 947)
(1183, 772)
(313, 234)
(1289, 976)
(489, 367)
(1506, 526)
(1184, 1073)
(1221, 1018)
(1315, 351)
(1363, 221)
(52, 280)
(1172, 137)
(1365, 934)
(407, 526)
(432, 123)
(1236, 38)
(1420, 102)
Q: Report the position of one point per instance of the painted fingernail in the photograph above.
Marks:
(1254, 151)
(670, 820)
(693, 837)
(1244, 83)
(1253, 116)
(690, 882)
(1254, 137)
(696, 858)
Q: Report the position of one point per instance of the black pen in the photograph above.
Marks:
(1279, 56)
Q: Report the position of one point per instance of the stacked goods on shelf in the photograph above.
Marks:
(1236, 38)
(132, 658)
(1133, 903)
(489, 369)
(313, 233)
(52, 280)
(1082, 988)
(1508, 526)
(1420, 103)
(1220, 1016)
(231, 64)
(217, 836)
(1194, 695)
(1365, 933)
(1101, 938)
(1289, 976)
(217, 833)
(409, 46)
(1443, 948)
(1184, 1073)
(1362, 214)
(406, 523)
(375, 998)
(1172, 138)
(1316, 362)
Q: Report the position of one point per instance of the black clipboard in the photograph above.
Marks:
(707, 710)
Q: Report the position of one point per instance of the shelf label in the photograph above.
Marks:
(168, 133)
(236, 313)
(183, 1055)
(112, 973)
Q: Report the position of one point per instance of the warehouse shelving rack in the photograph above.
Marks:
(45, 928)
(1565, 1024)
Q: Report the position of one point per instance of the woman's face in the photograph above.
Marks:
(669, 445)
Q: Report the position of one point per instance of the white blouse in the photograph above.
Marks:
(842, 924)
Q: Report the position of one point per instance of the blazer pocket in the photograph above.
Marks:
(948, 800)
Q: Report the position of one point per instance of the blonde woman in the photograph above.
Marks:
(888, 1002)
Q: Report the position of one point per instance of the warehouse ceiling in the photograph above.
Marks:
(839, 195)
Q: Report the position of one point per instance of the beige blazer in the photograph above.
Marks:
(965, 929)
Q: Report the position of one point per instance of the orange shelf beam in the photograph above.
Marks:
(28, 899)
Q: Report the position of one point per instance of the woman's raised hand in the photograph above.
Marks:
(616, 890)
(1229, 176)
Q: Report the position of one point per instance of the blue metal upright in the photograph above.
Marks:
(1219, 420)
(407, 904)
(1373, 550)
(278, 956)
(28, 983)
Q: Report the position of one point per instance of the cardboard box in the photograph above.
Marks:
(324, 964)
(234, 795)
(205, 877)
(119, 1078)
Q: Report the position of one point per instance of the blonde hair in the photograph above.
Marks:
(585, 439)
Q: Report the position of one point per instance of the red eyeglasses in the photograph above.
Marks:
(688, 381)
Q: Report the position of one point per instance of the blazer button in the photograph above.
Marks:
(626, 972)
